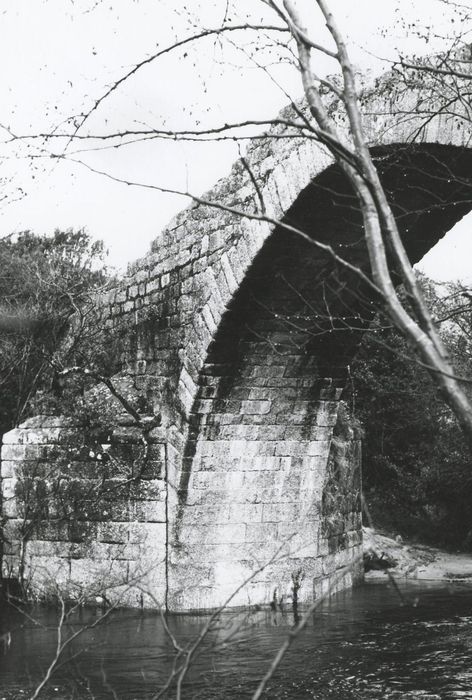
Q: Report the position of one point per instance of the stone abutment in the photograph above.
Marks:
(239, 336)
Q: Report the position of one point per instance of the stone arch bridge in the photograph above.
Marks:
(240, 335)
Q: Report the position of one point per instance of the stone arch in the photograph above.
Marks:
(254, 467)
(395, 117)
(246, 366)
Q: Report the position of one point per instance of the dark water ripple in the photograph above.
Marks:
(361, 644)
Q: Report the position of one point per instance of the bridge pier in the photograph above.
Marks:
(272, 512)
(260, 516)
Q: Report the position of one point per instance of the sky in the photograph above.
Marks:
(64, 54)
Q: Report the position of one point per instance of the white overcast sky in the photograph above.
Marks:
(58, 56)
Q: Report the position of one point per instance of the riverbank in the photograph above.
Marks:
(416, 561)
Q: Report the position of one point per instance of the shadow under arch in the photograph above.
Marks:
(297, 302)
(262, 421)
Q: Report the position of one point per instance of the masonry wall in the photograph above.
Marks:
(239, 338)
(85, 518)
(82, 526)
(261, 428)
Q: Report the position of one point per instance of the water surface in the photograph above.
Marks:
(364, 643)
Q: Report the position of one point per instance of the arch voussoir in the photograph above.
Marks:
(240, 334)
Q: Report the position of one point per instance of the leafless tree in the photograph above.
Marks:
(349, 148)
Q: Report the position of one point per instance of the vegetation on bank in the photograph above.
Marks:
(417, 476)
(44, 281)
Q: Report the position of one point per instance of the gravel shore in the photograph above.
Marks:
(416, 561)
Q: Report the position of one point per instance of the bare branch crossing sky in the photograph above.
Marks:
(59, 56)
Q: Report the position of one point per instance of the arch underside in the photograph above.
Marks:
(257, 458)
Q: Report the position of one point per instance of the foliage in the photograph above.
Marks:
(416, 467)
(44, 280)
(341, 491)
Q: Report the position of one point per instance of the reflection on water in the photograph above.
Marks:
(359, 644)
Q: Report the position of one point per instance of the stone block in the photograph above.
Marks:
(8, 469)
(206, 514)
(49, 575)
(261, 532)
(111, 552)
(281, 512)
(256, 407)
(8, 488)
(208, 480)
(90, 577)
(18, 453)
(244, 513)
(44, 421)
(149, 591)
(43, 548)
(260, 463)
(208, 319)
(151, 535)
(229, 274)
(148, 511)
(198, 497)
(113, 533)
(73, 530)
(143, 490)
(10, 508)
(214, 534)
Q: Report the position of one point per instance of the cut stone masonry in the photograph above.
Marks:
(240, 335)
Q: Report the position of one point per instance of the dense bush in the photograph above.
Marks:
(44, 281)
(417, 470)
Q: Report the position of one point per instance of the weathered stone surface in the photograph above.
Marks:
(239, 335)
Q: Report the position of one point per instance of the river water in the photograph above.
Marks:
(365, 643)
